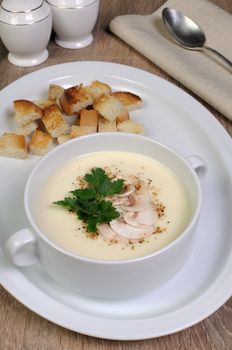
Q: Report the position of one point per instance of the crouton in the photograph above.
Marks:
(129, 100)
(74, 99)
(54, 92)
(89, 109)
(26, 111)
(98, 89)
(13, 145)
(41, 125)
(89, 117)
(77, 130)
(111, 108)
(63, 138)
(106, 126)
(27, 129)
(54, 121)
(131, 126)
(44, 103)
(40, 143)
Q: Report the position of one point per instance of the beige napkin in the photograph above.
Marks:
(201, 72)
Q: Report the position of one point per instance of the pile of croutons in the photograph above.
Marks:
(66, 114)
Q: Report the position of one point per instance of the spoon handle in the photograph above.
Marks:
(219, 55)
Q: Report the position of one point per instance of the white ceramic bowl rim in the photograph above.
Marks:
(71, 4)
(24, 15)
(183, 235)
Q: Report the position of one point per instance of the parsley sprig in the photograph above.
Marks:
(89, 203)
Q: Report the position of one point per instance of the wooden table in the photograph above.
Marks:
(21, 329)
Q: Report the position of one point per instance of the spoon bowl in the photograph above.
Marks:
(186, 32)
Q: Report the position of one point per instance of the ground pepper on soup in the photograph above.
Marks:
(153, 207)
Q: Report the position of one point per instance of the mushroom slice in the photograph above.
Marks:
(123, 229)
(138, 203)
(106, 231)
(129, 189)
(116, 200)
(146, 217)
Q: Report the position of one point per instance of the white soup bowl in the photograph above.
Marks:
(107, 278)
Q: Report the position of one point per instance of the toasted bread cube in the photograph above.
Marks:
(106, 126)
(111, 108)
(41, 126)
(54, 121)
(123, 117)
(129, 100)
(77, 130)
(55, 91)
(63, 138)
(44, 103)
(26, 111)
(13, 145)
(131, 126)
(98, 89)
(27, 129)
(74, 99)
(40, 143)
(89, 117)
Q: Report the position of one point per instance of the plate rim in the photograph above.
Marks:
(214, 124)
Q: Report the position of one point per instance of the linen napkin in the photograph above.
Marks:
(200, 71)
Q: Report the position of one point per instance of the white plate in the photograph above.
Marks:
(172, 117)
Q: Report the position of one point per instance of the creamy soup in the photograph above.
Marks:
(147, 223)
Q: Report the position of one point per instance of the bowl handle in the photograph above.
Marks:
(21, 248)
(198, 164)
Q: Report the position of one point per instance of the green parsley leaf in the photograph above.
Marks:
(68, 203)
(107, 211)
(92, 224)
(85, 193)
(95, 178)
(100, 181)
(89, 203)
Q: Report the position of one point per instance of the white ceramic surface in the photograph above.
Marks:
(25, 29)
(101, 278)
(203, 285)
(74, 24)
(71, 3)
(23, 12)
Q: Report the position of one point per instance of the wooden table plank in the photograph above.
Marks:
(21, 329)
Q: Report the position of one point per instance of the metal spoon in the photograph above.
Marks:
(186, 32)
